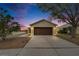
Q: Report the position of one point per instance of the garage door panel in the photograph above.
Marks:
(43, 31)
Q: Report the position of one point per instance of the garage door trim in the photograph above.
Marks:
(43, 30)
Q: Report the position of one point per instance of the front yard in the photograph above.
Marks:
(17, 42)
(67, 37)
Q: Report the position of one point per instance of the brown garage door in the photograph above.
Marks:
(43, 31)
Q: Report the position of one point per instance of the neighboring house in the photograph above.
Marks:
(43, 27)
(23, 28)
(66, 26)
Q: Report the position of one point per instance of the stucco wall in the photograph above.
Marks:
(77, 30)
(56, 29)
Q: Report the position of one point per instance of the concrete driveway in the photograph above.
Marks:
(49, 46)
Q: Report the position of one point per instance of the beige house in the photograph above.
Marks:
(68, 25)
(43, 27)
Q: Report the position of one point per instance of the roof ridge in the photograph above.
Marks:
(43, 20)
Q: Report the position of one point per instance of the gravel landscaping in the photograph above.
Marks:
(11, 43)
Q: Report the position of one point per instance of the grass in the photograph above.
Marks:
(68, 37)
(18, 42)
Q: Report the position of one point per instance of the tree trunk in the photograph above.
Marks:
(73, 32)
(3, 38)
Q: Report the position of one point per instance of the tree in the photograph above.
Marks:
(68, 13)
(6, 23)
(15, 26)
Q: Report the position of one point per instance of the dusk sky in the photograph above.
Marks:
(25, 14)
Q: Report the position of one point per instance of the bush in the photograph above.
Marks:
(63, 31)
